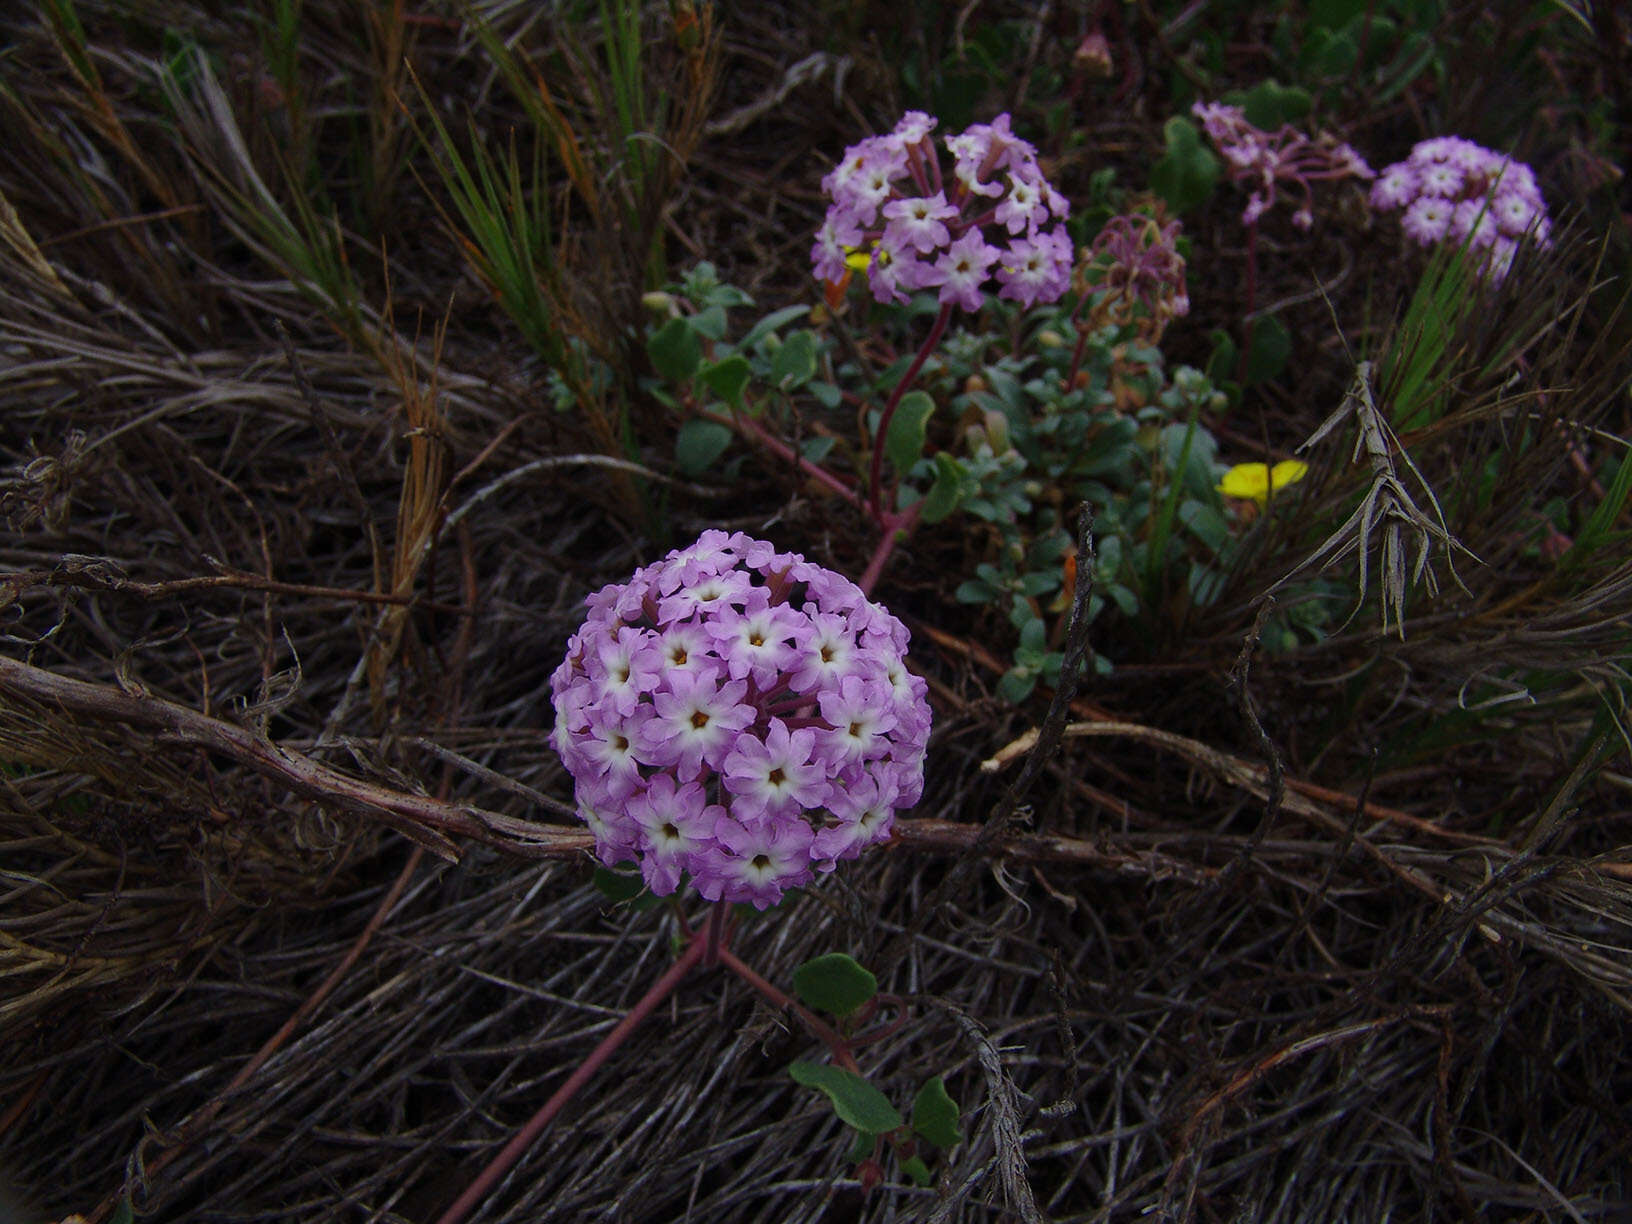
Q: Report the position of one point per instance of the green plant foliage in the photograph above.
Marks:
(675, 350)
(1268, 348)
(935, 1114)
(915, 1168)
(699, 444)
(794, 363)
(857, 1102)
(1269, 104)
(904, 441)
(1188, 171)
(834, 983)
(727, 378)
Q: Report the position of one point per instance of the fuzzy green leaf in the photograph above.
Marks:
(795, 362)
(905, 441)
(856, 1101)
(617, 887)
(728, 378)
(675, 350)
(935, 1114)
(699, 444)
(915, 1168)
(1187, 173)
(834, 983)
(944, 495)
(1267, 349)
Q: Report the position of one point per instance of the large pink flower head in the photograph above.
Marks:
(741, 716)
(921, 227)
(1452, 190)
(1264, 161)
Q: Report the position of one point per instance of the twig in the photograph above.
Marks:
(426, 820)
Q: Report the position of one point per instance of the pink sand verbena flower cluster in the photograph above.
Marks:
(740, 715)
(1452, 190)
(926, 230)
(1287, 156)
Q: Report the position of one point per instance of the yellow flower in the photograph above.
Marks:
(1257, 480)
(860, 260)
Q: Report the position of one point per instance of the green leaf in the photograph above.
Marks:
(771, 322)
(935, 1114)
(1334, 13)
(709, 322)
(1016, 685)
(862, 1147)
(856, 1101)
(698, 444)
(617, 887)
(834, 983)
(1269, 104)
(827, 394)
(1267, 349)
(816, 449)
(728, 378)
(122, 1214)
(975, 591)
(915, 1168)
(1206, 524)
(944, 494)
(905, 440)
(675, 351)
(795, 362)
(1187, 173)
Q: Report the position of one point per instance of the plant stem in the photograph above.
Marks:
(837, 1044)
(875, 492)
(1251, 295)
(895, 528)
(525, 1137)
(715, 933)
(747, 425)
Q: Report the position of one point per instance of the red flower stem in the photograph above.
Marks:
(835, 1043)
(715, 933)
(875, 491)
(1252, 294)
(896, 527)
(527, 1135)
(751, 428)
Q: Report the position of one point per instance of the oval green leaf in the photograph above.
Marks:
(857, 1102)
(906, 437)
(935, 1115)
(699, 444)
(795, 362)
(675, 350)
(834, 983)
(727, 378)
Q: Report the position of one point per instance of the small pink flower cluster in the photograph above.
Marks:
(740, 715)
(1453, 190)
(889, 199)
(1285, 156)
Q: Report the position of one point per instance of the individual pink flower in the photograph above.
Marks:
(962, 269)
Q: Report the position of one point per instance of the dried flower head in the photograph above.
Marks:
(1284, 157)
(1135, 262)
(919, 228)
(741, 716)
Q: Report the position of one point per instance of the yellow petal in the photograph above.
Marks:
(1256, 480)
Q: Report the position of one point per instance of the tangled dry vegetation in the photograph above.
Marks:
(295, 924)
